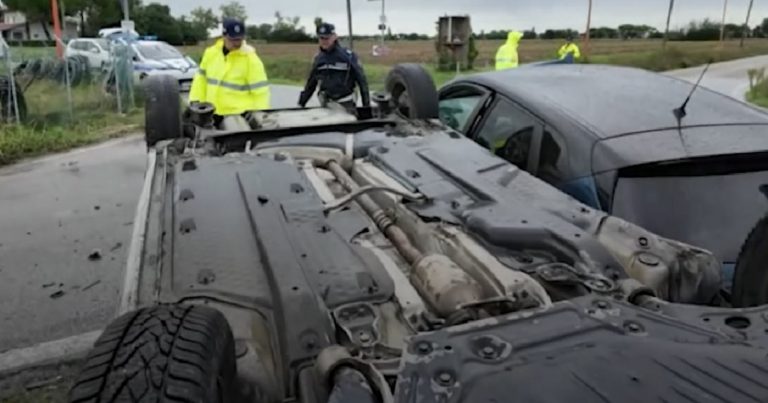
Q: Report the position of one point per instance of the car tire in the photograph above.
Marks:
(167, 353)
(750, 280)
(162, 109)
(413, 91)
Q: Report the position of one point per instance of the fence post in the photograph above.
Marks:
(11, 80)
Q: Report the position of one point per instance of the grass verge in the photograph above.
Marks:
(51, 128)
(758, 87)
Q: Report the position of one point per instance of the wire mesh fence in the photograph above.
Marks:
(39, 88)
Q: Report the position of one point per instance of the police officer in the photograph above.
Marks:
(337, 71)
(231, 75)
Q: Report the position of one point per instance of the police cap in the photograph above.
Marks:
(326, 29)
(233, 28)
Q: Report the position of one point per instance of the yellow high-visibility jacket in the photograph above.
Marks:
(234, 83)
(569, 48)
(506, 56)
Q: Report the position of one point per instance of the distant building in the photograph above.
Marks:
(14, 27)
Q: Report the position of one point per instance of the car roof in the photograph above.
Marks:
(611, 101)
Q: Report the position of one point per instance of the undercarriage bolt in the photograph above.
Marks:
(445, 378)
(633, 327)
(424, 348)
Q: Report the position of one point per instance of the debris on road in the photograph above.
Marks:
(95, 255)
(97, 208)
(93, 284)
(48, 285)
(57, 294)
(116, 247)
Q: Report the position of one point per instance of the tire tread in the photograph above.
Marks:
(167, 353)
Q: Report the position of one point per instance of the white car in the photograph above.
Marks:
(96, 50)
(156, 57)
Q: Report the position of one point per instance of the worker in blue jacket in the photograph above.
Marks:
(337, 71)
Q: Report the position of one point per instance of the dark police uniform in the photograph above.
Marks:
(337, 71)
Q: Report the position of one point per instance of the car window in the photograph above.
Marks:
(92, 47)
(103, 43)
(713, 212)
(551, 157)
(455, 112)
(77, 45)
(158, 51)
(508, 132)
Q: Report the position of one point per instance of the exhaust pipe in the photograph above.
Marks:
(440, 281)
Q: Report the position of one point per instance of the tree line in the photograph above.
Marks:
(705, 30)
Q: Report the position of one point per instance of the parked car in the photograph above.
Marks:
(96, 50)
(157, 57)
(608, 137)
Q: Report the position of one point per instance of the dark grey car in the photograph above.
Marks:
(608, 137)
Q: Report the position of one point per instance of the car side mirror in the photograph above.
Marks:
(95, 50)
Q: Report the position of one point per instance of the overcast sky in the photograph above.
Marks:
(420, 15)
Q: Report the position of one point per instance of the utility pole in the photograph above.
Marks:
(746, 24)
(589, 28)
(57, 28)
(349, 22)
(669, 18)
(383, 22)
(126, 11)
(722, 23)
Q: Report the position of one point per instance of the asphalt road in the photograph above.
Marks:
(65, 226)
(60, 209)
(729, 78)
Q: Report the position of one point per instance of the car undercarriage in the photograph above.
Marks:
(325, 257)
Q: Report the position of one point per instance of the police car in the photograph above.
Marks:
(151, 57)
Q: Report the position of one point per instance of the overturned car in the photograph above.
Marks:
(326, 256)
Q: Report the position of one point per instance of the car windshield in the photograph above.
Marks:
(158, 51)
(712, 212)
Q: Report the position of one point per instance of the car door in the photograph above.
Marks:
(89, 51)
(75, 48)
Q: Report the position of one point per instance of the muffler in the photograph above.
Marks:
(440, 281)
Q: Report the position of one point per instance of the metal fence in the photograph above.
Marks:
(37, 87)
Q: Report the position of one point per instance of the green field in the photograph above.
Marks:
(291, 62)
(94, 118)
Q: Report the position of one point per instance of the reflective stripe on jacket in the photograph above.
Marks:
(506, 57)
(569, 48)
(234, 83)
